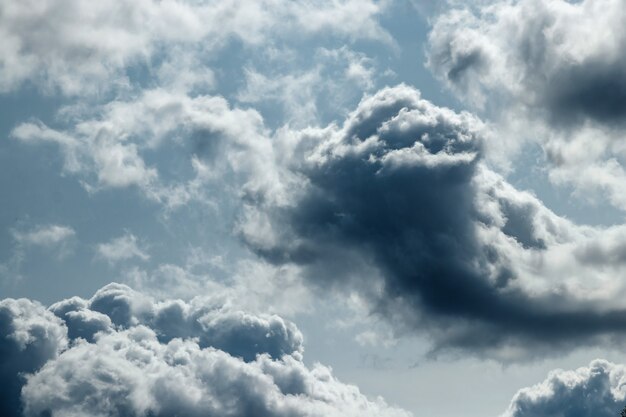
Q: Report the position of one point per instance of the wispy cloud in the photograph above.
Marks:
(122, 248)
(47, 236)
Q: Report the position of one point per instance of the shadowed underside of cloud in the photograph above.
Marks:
(29, 336)
(562, 58)
(240, 334)
(122, 353)
(547, 71)
(397, 205)
(597, 390)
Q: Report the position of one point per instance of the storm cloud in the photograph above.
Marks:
(396, 205)
(123, 353)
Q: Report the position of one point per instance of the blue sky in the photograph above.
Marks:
(420, 199)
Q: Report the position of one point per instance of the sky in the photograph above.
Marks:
(312, 208)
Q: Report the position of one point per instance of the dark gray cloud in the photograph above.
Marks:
(396, 205)
(126, 354)
(561, 59)
(29, 337)
(597, 390)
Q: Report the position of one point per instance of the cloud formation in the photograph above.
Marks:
(597, 390)
(124, 353)
(77, 47)
(47, 236)
(563, 58)
(122, 248)
(29, 337)
(396, 205)
(105, 147)
(53, 238)
(551, 71)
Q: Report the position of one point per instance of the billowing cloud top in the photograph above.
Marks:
(397, 205)
(123, 353)
(596, 390)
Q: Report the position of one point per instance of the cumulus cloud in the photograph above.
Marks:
(397, 205)
(122, 248)
(124, 353)
(131, 373)
(116, 163)
(105, 145)
(47, 236)
(562, 57)
(29, 337)
(77, 46)
(597, 390)
(551, 70)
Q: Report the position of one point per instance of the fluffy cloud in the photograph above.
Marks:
(121, 248)
(117, 306)
(551, 70)
(396, 205)
(563, 58)
(29, 337)
(105, 145)
(124, 353)
(77, 46)
(116, 162)
(597, 390)
(131, 373)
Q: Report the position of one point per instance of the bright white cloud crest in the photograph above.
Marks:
(125, 354)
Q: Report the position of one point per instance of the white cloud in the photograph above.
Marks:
(252, 284)
(46, 236)
(124, 353)
(546, 71)
(336, 77)
(597, 390)
(81, 47)
(133, 374)
(104, 146)
(121, 249)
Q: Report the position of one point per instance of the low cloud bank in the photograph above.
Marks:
(123, 353)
